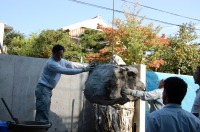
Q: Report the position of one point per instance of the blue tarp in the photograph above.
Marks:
(153, 78)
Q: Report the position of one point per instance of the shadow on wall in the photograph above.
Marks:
(87, 121)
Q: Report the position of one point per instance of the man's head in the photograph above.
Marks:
(161, 84)
(58, 51)
(175, 90)
(196, 75)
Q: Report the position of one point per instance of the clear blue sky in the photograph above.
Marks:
(32, 16)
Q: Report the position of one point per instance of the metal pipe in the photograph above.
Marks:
(15, 119)
(72, 114)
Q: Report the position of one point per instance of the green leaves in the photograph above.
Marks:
(40, 45)
(92, 40)
(182, 52)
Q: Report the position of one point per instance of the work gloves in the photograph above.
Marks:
(127, 91)
(90, 67)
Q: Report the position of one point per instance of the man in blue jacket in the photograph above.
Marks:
(54, 67)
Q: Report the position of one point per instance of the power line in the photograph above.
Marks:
(164, 11)
(112, 26)
(106, 8)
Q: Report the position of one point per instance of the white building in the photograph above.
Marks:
(3, 29)
(75, 30)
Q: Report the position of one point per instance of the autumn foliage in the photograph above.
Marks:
(157, 63)
(117, 45)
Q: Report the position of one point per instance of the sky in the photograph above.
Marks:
(33, 16)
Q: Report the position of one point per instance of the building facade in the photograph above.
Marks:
(75, 30)
(3, 29)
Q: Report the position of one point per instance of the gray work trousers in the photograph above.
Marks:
(43, 102)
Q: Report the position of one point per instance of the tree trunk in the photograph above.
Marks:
(107, 118)
(116, 118)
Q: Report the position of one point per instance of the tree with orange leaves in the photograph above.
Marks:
(130, 40)
(139, 44)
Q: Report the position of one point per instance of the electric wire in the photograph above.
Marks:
(118, 11)
(163, 11)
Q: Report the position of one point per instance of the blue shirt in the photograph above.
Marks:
(53, 69)
(172, 118)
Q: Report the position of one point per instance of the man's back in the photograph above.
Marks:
(172, 118)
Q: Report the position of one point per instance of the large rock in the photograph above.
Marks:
(103, 85)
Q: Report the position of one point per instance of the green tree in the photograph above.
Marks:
(11, 35)
(43, 43)
(14, 41)
(40, 45)
(131, 40)
(182, 52)
(92, 40)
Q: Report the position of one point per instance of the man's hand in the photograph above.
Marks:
(90, 67)
(127, 91)
(161, 84)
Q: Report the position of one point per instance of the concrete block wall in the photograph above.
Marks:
(18, 79)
